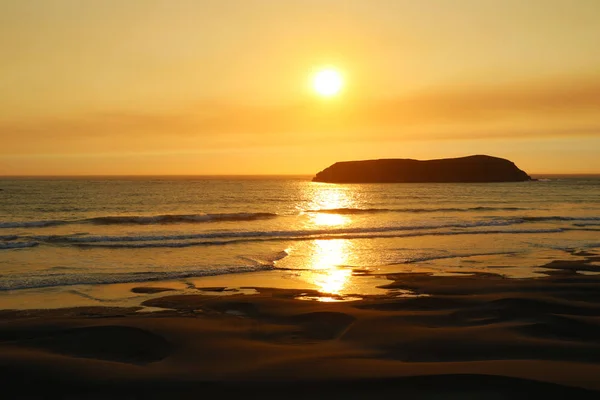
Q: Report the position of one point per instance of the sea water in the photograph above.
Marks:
(56, 233)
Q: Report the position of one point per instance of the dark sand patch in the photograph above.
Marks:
(62, 313)
(114, 343)
(218, 289)
(151, 290)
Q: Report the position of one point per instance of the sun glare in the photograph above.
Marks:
(328, 82)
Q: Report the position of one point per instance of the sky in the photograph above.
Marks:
(159, 87)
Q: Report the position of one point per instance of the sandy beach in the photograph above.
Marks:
(462, 336)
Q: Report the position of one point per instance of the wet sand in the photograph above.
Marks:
(462, 337)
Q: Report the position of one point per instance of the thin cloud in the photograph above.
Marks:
(559, 108)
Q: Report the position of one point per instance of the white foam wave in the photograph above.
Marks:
(275, 234)
(559, 218)
(144, 220)
(31, 281)
(362, 235)
(451, 256)
(179, 218)
(410, 210)
(31, 224)
(588, 224)
(8, 237)
(268, 260)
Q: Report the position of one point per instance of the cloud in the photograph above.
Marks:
(559, 108)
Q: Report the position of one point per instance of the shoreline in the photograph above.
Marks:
(479, 334)
(337, 283)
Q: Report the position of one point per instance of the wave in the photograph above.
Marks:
(31, 281)
(177, 218)
(144, 220)
(349, 211)
(558, 218)
(275, 234)
(225, 217)
(451, 256)
(17, 245)
(371, 235)
(268, 260)
(32, 224)
(408, 210)
(8, 237)
(588, 224)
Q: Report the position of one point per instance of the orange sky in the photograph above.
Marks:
(222, 87)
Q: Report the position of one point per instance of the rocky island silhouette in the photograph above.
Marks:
(476, 168)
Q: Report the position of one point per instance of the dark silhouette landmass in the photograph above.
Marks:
(478, 168)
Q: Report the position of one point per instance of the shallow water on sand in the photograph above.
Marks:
(73, 236)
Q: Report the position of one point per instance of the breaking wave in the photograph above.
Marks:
(32, 224)
(170, 219)
(408, 210)
(559, 218)
(30, 281)
(272, 234)
(145, 220)
(17, 245)
(149, 240)
(371, 235)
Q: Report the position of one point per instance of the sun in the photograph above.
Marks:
(328, 82)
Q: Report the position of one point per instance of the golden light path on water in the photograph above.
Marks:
(330, 197)
(328, 257)
(329, 219)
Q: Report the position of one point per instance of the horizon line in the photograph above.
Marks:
(239, 175)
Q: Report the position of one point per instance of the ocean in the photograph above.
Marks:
(63, 235)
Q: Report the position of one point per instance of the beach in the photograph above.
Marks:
(471, 335)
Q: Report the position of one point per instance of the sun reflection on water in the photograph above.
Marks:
(329, 253)
(327, 260)
(329, 219)
(326, 197)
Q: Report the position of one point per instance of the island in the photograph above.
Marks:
(477, 168)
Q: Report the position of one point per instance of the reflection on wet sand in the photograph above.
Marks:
(328, 271)
(327, 258)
